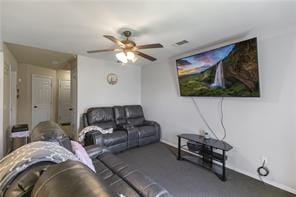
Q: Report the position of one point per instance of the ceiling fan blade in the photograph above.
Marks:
(98, 51)
(145, 56)
(115, 40)
(149, 46)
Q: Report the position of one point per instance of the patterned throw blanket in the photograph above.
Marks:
(85, 130)
(28, 155)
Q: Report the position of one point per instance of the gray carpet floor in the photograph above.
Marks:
(182, 178)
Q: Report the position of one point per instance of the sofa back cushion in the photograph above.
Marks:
(46, 131)
(119, 114)
(134, 114)
(51, 132)
(101, 116)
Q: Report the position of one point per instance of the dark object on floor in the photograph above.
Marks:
(130, 129)
(72, 178)
(185, 179)
(19, 136)
(206, 152)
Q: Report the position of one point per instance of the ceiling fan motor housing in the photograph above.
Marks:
(129, 44)
(127, 33)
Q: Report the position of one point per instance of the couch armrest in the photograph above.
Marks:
(84, 119)
(129, 128)
(124, 126)
(156, 125)
(94, 137)
(70, 178)
(95, 150)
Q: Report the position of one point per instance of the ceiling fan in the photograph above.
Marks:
(128, 49)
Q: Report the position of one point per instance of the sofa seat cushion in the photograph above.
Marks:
(120, 187)
(143, 184)
(116, 137)
(102, 170)
(146, 131)
(113, 162)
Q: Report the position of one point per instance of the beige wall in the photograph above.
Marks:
(61, 75)
(25, 72)
(1, 103)
(1, 87)
(10, 62)
(93, 90)
(9, 58)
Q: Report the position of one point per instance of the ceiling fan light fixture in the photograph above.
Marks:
(122, 57)
(125, 58)
(130, 55)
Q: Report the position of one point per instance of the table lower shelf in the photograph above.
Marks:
(212, 166)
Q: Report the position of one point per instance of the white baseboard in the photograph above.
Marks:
(255, 176)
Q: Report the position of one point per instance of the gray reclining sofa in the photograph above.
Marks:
(130, 128)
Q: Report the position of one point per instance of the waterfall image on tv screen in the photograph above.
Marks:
(231, 71)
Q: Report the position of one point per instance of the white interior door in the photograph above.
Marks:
(41, 99)
(65, 102)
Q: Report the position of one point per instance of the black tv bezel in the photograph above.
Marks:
(220, 96)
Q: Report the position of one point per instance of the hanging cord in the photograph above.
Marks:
(222, 118)
(203, 118)
(207, 124)
(262, 171)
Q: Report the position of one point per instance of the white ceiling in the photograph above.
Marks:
(75, 26)
(39, 57)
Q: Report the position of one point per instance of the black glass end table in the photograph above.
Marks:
(204, 154)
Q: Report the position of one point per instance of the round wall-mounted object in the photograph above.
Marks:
(112, 78)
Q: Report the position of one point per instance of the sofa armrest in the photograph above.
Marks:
(155, 124)
(94, 137)
(95, 150)
(124, 126)
(84, 119)
(70, 178)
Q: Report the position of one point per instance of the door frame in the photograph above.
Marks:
(59, 100)
(52, 94)
(74, 95)
(13, 95)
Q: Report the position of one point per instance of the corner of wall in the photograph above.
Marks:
(1, 104)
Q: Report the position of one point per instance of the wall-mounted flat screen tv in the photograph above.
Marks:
(231, 70)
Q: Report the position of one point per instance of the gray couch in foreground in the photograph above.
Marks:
(113, 176)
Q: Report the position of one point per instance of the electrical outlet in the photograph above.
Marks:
(201, 132)
(264, 160)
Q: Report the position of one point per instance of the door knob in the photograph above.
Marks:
(35, 106)
(70, 109)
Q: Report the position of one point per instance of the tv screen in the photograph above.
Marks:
(231, 70)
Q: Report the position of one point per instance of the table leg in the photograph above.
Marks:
(223, 167)
(179, 148)
(211, 157)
